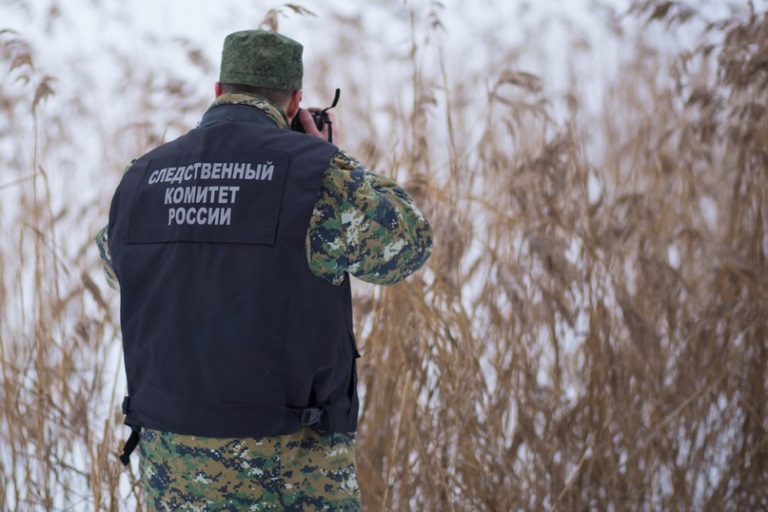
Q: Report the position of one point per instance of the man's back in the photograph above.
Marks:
(255, 337)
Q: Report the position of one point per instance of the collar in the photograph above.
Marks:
(250, 102)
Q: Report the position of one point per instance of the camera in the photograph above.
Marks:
(320, 117)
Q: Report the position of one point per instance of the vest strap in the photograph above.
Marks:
(130, 445)
(133, 439)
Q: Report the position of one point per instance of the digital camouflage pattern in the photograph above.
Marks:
(305, 471)
(261, 59)
(363, 223)
(102, 242)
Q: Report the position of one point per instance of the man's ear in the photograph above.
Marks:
(293, 104)
(217, 89)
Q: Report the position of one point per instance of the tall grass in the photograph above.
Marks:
(590, 334)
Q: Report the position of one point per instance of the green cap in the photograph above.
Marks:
(261, 59)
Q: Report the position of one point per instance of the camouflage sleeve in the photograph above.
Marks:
(365, 224)
(102, 242)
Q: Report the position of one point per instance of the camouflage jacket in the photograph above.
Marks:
(363, 224)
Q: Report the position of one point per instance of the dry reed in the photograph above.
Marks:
(590, 334)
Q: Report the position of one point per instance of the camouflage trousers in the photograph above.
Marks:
(296, 472)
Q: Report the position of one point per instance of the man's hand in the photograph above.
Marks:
(309, 124)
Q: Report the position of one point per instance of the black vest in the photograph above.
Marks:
(226, 332)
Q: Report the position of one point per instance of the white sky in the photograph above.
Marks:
(206, 22)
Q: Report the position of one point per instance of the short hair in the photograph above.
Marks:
(278, 96)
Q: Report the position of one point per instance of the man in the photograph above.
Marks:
(231, 247)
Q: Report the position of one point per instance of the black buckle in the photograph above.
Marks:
(311, 416)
